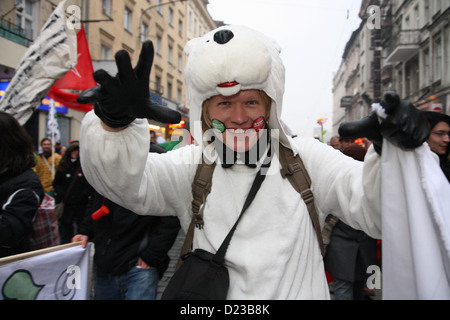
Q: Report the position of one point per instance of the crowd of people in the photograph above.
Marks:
(133, 200)
(131, 250)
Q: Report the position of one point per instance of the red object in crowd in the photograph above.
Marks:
(100, 213)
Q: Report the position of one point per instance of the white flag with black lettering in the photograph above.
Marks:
(57, 273)
(52, 54)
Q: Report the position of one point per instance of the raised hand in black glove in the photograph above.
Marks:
(121, 99)
(404, 126)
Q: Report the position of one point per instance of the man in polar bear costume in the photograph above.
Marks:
(235, 85)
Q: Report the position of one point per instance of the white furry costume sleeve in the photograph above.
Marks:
(344, 187)
(115, 163)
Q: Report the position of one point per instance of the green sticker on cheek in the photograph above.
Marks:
(218, 125)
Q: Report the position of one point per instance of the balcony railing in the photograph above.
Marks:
(403, 45)
(12, 32)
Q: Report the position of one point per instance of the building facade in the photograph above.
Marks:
(401, 46)
(110, 26)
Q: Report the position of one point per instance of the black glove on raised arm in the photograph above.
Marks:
(121, 99)
(405, 126)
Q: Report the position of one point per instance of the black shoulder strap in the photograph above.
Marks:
(294, 169)
(219, 257)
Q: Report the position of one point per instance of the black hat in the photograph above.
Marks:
(435, 117)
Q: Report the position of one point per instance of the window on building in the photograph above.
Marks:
(426, 67)
(362, 77)
(170, 17)
(169, 90)
(106, 7)
(158, 44)
(105, 52)
(127, 19)
(411, 77)
(180, 62)
(179, 92)
(180, 28)
(169, 54)
(417, 17)
(158, 84)
(25, 18)
(407, 25)
(427, 11)
(438, 5)
(437, 55)
(144, 30)
(159, 7)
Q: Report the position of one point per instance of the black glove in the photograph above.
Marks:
(121, 99)
(405, 126)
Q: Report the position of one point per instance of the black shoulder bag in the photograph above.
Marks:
(203, 275)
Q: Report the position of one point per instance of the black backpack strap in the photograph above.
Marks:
(219, 257)
(294, 169)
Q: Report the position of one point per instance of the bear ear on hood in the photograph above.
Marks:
(190, 45)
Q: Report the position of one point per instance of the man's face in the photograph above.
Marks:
(46, 146)
(238, 113)
(335, 144)
(439, 138)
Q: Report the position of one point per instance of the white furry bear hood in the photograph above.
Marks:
(227, 60)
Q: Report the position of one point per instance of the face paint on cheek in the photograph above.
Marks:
(242, 141)
(259, 124)
(218, 125)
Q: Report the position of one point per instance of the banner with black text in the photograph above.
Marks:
(57, 273)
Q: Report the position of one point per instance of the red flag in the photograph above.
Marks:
(78, 78)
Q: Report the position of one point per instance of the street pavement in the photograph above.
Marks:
(174, 254)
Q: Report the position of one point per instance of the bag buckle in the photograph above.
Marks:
(307, 196)
(291, 169)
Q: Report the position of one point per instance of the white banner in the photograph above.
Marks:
(52, 123)
(57, 273)
(416, 225)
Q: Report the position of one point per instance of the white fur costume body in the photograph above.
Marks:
(274, 253)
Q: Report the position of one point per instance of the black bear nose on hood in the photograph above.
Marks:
(223, 36)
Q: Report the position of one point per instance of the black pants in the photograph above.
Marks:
(70, 220)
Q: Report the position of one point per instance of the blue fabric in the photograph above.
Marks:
(136, 284)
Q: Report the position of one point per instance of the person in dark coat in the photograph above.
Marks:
(21, 191)
(350, 251)
(130, 249)
(69, 169)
